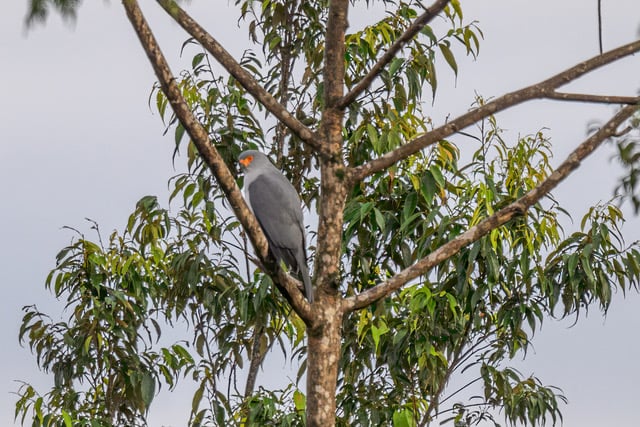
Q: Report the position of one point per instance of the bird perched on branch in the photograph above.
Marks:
(277, 207)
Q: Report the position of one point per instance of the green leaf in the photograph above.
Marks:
(403, 418)
(179, 134)
(395, 65)
(586, 266)
(147, 388)
(448, 56)
(436, 172)
(409, 208)
(379, 220)
(453, 304)
(372, 134)
(68, 422)
(456, 7)
(300, 401)
(428, 187)
(428, 31)
(87, 344)
(197, 59)
(572, 263)
(378, 331)
(197, 398)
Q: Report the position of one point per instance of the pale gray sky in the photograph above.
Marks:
(78, 140)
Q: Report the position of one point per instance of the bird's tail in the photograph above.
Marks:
(306, 279)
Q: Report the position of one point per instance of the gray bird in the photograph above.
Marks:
(277, 207)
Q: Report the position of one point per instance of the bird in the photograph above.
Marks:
(277, 207)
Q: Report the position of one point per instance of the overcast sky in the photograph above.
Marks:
(77, 140)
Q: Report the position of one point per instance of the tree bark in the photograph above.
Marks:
(323, 357)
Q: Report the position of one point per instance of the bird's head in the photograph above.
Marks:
(252, 159)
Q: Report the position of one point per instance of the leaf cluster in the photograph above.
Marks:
(163, 273)
(628, 154)
(479, 309)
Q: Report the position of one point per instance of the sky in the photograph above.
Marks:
(79, 140)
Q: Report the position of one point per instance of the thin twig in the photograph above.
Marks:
(597, 99)
(600, 25)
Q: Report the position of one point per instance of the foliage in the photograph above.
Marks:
(160, 272)
(189, 266)
(481, 307)
(628, 147)
(38, 10)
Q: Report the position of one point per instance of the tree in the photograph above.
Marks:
(427, 262)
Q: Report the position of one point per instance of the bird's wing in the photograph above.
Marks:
(275, 204)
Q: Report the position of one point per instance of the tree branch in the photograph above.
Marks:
(519, 207)
(417, 25)
(212, 158)
(241, 75)
(544, 89)
(257, 357)
(598, 99)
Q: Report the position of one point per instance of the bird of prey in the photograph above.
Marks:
(277, 207)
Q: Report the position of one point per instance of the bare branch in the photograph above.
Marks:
(241, 75)
(544, 89)
(600, 25)
(417, 25)
(519, 207)
(257, 357)
(598, 99)
(212, 158)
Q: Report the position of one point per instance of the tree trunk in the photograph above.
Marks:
(323, 357)
(325, 331)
